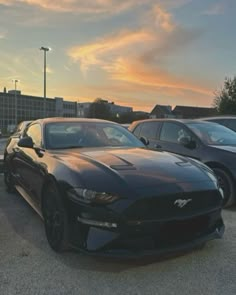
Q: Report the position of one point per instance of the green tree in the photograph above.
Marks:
(225, 99)
(99, 109)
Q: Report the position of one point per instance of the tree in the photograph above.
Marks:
(99, 109)
(225, 100)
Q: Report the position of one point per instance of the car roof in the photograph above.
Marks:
(184, 121)
(62, 119)
(218, 117)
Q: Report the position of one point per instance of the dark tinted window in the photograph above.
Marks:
(35, 133)
(149, 130)
(172, 132)
(62, 135)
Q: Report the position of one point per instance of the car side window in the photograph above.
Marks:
(137, 130)
(149, 130)
(231, 124)
(34, 131)
(172, 132)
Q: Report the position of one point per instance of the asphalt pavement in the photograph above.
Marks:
(28, 266)
(2, 146)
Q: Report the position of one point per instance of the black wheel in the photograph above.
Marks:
(8, 179)
(227, 185)
(55, 219)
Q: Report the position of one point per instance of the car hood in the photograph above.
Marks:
(136, 167)
(227, 148)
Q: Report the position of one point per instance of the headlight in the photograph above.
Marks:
(89, 196)
(210, 174)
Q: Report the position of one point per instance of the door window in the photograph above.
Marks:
(34, 131)
(149, 130)
(172, 132)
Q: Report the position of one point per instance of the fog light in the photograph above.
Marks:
(97, 223)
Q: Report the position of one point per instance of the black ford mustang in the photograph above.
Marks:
(100, 190)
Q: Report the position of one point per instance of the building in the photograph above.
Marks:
(184, 112)
(161, 111)
(188, 112)
(83, 109)
(16, 107)
(116, 110)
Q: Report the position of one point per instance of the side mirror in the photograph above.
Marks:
(26, 142)
(187, 142)
(144, 140)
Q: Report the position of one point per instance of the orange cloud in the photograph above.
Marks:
(107, 48)
(139, 73)
(164, 19)
(81, 6)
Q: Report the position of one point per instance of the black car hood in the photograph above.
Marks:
(227, 148)
(136, 167)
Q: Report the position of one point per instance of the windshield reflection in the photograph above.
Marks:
(213, 133)
(62, 135)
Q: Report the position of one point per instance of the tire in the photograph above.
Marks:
(55, 219)
(227, 185)
(8, 179)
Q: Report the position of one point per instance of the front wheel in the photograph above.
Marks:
(227, 185)
(55, 219)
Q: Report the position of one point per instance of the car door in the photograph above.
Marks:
(28, 163)
(170, 140)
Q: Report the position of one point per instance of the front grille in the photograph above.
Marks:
(164, 207)
(161, 235)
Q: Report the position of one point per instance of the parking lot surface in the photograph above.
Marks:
(2, 146)
(29, 266)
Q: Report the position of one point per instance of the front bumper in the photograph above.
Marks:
(135, 238)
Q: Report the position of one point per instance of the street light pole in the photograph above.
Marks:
(45, 49)
(16, 119)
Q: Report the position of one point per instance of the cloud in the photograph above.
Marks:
(216, 9)
(154, 77)
(139, 57)
(164, 19)
(80, 6)
(92, 6)
(105, 49)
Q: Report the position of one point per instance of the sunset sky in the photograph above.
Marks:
(134, 52)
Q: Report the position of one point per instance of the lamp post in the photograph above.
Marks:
(16, 119)
(45, 49)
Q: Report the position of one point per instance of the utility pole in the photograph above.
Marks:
(45, 50)
(16, 118)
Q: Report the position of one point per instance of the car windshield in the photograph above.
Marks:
(213, 133)
(61, 135)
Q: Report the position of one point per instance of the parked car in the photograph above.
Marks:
(16, 135)
(210, 143)
(227, 121)
(20, 128)
(112, 197)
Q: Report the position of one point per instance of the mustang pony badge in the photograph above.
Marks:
(181, 203)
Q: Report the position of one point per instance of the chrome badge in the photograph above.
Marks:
(181, 203)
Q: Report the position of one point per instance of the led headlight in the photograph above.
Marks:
(89, 196)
